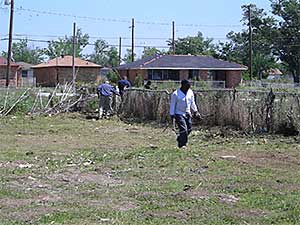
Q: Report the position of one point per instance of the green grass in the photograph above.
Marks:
(111, 172)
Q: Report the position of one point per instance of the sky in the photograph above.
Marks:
(111, 19)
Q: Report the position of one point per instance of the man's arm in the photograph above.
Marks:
(195, 108)
(173, 105)
(193, 105)
(128, 84)
(114, 90)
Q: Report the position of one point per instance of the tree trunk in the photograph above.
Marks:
(297, 74)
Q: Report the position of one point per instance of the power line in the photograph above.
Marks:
(62, 14)
(91, 37)
(25, 36)
(89, 44)
(99, 37)
(111, 45)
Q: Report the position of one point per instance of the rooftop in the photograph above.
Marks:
(182, 62)
(66, 61)
(24, 65)
(3, 62)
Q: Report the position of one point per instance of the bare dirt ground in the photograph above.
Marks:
(68, 170)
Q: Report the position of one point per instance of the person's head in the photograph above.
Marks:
(125, 78)
(148, 82)
(185, 85)
(107, 82)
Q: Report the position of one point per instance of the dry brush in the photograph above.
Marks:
(250, 111)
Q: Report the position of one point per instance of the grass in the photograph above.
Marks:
(68, 170)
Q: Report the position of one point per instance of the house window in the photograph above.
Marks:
(163, 74)
(217, 75)
(193, 74)
(24, 73)
(173, 75)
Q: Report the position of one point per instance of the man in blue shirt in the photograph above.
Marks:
(122, 85)
(105, 92)
(181, 108)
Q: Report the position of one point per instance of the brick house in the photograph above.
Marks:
(15, 73)
(59, 71)
(178, 67)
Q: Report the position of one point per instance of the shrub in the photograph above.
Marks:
(139, 81)
(113, 77)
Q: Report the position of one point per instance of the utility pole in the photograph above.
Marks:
(9, 52)
(250, 43)
(173, 38)
(132, 36)
(73, 55)
(120, 51)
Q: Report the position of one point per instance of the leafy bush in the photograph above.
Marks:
(139, 81)
(113, 77)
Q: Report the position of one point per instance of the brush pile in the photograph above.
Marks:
(250, 111)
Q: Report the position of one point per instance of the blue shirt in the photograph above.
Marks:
(124, 83)
(182, 104)
(106, 90)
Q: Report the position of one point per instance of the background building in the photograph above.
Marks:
(178, 67)
(59, 71)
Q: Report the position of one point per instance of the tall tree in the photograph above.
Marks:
(128, 56)
(237, 47)
(113, 57)
(151, 51)
(64, 46)
(194, 45)
(287, 34)
(23, 53)
(104, 55)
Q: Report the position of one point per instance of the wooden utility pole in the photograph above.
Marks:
(132, 37)
(250, 43)
(9, 52)
(173, 38)
(74, 55)
(120, 51)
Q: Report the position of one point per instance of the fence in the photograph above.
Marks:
(269, 85)
(256, 111)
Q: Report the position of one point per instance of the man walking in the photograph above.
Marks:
(105, 92)
(181, 108)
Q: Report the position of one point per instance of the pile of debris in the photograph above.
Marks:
(62, 99)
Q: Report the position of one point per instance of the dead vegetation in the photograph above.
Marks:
(249, 111)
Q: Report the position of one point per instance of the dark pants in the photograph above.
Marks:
(184, 123)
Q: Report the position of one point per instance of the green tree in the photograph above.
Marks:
(128, 56)
(151, 51)
(287, 34)
(64, 46)
(237, 47)
(104, 55)
(23, 53)
(113, 57)
(197, 45)
(113, 77)
(99, 55)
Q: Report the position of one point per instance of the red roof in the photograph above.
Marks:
(3, 62)
(66, 61)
